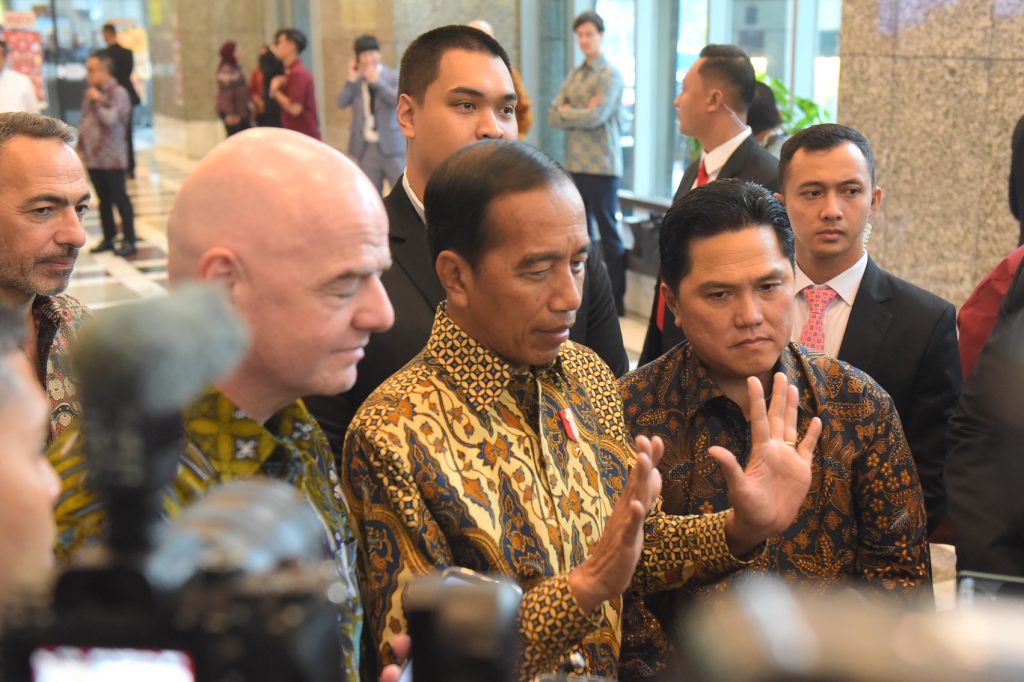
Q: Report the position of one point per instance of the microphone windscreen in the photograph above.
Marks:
(155, 356)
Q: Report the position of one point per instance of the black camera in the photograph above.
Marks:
(464, 628)
(229, 593)
(235, 589)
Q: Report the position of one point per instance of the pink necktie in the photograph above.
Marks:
(818, 298)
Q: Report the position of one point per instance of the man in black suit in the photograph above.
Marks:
(124, 63)
(455, 87)
(712, 108)
(984, 469)
(845, 305)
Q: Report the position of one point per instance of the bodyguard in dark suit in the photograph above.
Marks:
(455, 88)
(124, 64)
(712, 108)
(848, 307)
(374, 140)
(984, 468)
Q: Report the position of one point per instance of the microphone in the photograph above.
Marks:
(137, 366)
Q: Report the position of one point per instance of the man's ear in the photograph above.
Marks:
(671, 301)
(220, 266)
(406, 116)
(876, 199)
(456, 276)
(782, 199)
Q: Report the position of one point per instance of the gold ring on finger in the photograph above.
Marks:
(790, 443)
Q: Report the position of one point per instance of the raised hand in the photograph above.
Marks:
(609, 569)
(767, 495)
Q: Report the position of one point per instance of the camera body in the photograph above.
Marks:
(115, 617)
(216, 628)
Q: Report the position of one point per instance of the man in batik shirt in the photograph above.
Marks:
(43, 196)
(310, 298)
(727, 272)
(501, 448)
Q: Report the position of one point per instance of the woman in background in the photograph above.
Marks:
(232, 93)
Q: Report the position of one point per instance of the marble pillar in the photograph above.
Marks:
(185, 36)
(934, 85)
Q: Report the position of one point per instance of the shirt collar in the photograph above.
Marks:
(413, 199)
(716, 158)
(845, 284)
(478, 374)
(214, 416)
(701, 389)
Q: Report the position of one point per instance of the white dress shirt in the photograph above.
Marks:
(417, 204)
(17, 92)
(837, 314)
(716, 158)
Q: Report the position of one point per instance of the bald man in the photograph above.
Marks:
(305, 276)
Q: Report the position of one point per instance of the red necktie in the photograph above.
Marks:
(702, 174)
(659, 319)
(818, 298)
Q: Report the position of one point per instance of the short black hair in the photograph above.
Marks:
(589, 17)
(109, 28)
(718, 207)
(764, 112)
(820, 138)
(366, 43)
(731, 68)
(294, 36)
(463, 187)
(422, 59)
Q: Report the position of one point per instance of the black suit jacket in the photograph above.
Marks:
(415, 293)
(985, 464)
(750, 161)
(124, 63)
(905, 338)
(1017, 176)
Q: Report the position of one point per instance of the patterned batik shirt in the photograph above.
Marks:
(862, 523)
(57, 319)
(462, 459)
(102, 130)
(592, 141)
(223, 444)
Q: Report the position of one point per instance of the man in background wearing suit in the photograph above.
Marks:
(374, 141)
(124, 63)
(454, 88)
(712, 107)
(845, 305)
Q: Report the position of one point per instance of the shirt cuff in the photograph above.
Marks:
(552, 623)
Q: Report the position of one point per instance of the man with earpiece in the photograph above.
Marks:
(712, 106)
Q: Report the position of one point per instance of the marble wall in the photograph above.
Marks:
(935, 87)
(185, 36)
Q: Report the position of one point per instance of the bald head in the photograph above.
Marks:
(298, 237)
(262, 193)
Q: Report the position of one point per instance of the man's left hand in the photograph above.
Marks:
(767, 495)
